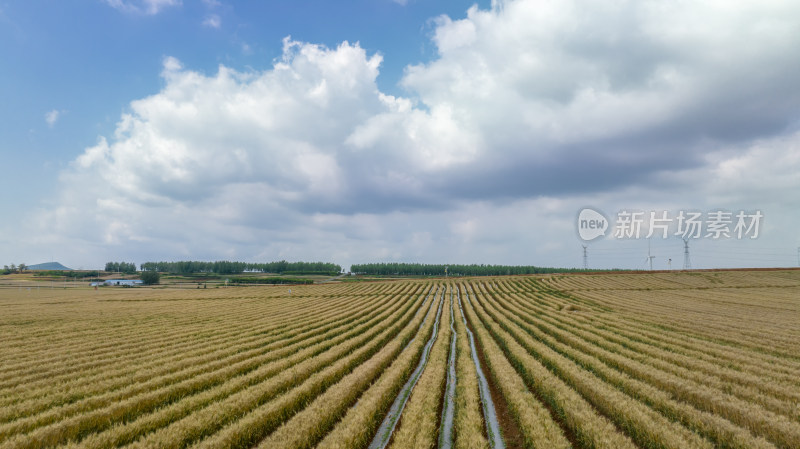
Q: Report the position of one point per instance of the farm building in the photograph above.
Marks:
(128, 282)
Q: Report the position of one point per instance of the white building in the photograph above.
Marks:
(128, 282)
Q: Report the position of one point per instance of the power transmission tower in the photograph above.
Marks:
(586, 257)
(687, 263)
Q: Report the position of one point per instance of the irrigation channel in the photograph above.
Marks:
(448, 408)
(384, 434)
(489, 413)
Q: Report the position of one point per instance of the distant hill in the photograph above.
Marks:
(48, 266)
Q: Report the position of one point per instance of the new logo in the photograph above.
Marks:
(591, 224)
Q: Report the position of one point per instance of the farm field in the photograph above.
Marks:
(622, 360)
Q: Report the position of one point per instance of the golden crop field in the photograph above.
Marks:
(630, 360)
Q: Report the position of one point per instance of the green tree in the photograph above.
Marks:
(150, 277)
(121, 267)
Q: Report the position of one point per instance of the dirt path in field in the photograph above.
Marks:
(384, 434)
(448, 409)
(489, 411)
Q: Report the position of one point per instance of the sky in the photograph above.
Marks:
(399, 130)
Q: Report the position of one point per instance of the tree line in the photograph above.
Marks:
(420, 269)
(120, 267)
(228, 267)
(14, 268)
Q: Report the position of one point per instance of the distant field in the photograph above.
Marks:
(628, 360)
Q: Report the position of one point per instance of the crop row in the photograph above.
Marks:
(148, 396)
(544, 361)
(655, 402)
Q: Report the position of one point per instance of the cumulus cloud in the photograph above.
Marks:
(627, 88)
(245, 148)
(150, 7)
(529, 108)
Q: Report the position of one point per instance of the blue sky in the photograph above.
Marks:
(382, 130)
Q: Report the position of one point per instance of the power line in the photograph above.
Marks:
(711, 254)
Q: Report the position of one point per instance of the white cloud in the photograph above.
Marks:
(52, 117)
(171, 65)
(530, 111)
(213, 21)
(205, 141)
(579, 71)
(150, 7)
(761, 174)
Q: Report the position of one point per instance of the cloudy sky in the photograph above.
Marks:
(396, 130)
